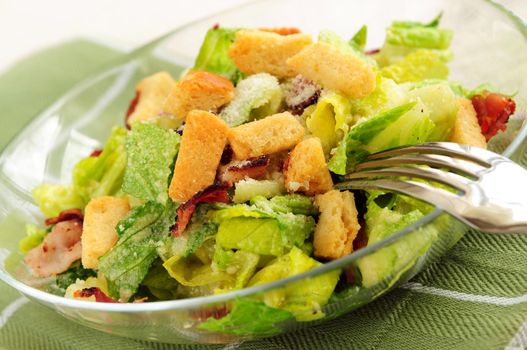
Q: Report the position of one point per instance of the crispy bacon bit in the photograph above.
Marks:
(65, 215)
(349, 275)
(372, 51)
(216, 193)
(227, 155)
(216, 312)
(60, 248)
(131, 108)
(96, 152)
(216, 26)
(493, 112)
(100, 297)
(240, 169)
(300, 93)
(282, 30)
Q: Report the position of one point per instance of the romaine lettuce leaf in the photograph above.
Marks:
(128, 262)
(75, 272)
(151, 151)
(192, 272)
(387, 94)
(403, 125)
(248, 317)
(102, 175)
(213, 55)
(52, 199)
(418, 65)
(256, 96)
(381, 222)
(290, 203)
(34, 236)
(159, 282)
(249, 188)
(359, 39)
(329, 119)
(303, 298)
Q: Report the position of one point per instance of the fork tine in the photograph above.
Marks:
(450, 179)
(439, 197)
(437, 161)
(472, 154)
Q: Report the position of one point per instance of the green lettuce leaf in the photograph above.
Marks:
(387, 94)
(256, 96)
(403, 125)
(381, 222)
(213, 55)
(102, 175)
(159, 282)
(329, 119)
(75, 272)
(290, 203)
(52, 199)
(417, 66)
(151, 151)
(248, 188)
(34, 236)
(248, 317)
(128, 262)
(359, 39)
(304, 298)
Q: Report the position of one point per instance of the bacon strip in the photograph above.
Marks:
(253, 167)
(493, 112)
(216, 193)
(216, 312)
(66, 215)
(96, 292)
(60, 248)
(227, 155)
(96, 152)
(282, 30)
(131, 108)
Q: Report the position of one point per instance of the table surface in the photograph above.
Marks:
(28, 25)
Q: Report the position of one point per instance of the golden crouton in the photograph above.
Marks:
(334, 70)
(101, 215)
(198, 90)
(269, 135)
(257, 51)
(152, 92)
(306, 170)
(466, 128)
(337, 225)
(202, 144)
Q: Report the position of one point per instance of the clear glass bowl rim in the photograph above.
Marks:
(180, 304)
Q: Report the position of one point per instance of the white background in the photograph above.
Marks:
(30, 25)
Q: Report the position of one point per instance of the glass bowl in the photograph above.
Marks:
(489, 46)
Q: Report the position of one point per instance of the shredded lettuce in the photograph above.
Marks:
(403, 125)
(248, 317)
(151, 151)
(213, 55)
(255, 97)
(329, 119)
(303, 299)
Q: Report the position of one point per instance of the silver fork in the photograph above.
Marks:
(489, 190)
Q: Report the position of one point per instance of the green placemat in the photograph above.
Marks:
(475, 297)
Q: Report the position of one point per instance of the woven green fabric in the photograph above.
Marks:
(475, 297)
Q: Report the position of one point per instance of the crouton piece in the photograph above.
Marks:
(269, 135)
(337, 225)
(306, 170)
(198, 90)
(152, 93)
(101, 216)
(334, 70)
(281, 30)
(466, 127)
(202, 144)
(257, 51)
